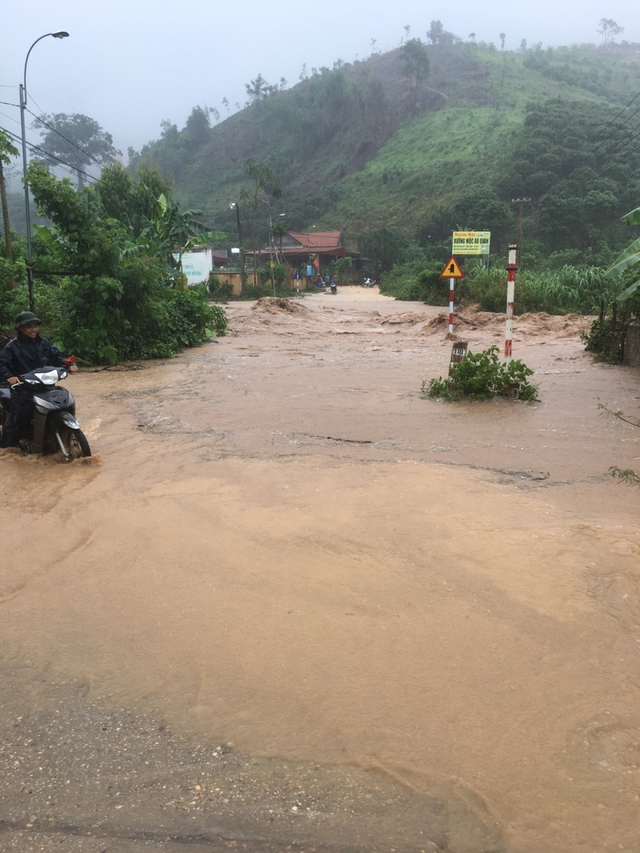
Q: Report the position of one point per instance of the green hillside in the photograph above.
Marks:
(368, 145)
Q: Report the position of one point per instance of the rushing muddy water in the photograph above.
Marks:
(282, 546)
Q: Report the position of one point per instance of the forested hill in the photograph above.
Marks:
(429, 139)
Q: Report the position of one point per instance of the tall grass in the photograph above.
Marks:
(568, 290)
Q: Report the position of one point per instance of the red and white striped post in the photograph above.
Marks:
(511, 290)
(452, 271)
(452, 284)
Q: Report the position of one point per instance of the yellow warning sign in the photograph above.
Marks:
(452, 270)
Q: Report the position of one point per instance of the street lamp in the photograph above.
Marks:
(23, 105)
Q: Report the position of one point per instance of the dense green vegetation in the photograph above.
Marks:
(108, 287)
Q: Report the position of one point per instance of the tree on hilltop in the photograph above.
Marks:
(415, 63)
(258, 90)
(435, 31)
(609, 29)
(438, 35)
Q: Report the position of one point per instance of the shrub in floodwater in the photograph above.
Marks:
(482, 375)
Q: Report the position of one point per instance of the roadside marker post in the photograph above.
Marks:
(451, 271)
(458, 354)
(511, 290)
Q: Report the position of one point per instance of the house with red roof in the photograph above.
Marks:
(317, 249)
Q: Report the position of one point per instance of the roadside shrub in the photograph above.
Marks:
(101, 325)
(48, 305)
(482, 375)
(605, 339)
(416, 281)
(217, 290)
(190, 317)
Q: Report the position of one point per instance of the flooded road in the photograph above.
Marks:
(292, 601)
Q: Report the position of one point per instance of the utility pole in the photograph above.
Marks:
(243, 275)
(521, 202)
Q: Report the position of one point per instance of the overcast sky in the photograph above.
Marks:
(129, 64)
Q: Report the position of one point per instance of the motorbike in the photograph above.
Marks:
(334, 287)
(53, 426)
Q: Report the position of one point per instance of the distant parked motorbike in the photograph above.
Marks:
(334, 287)
(53, 427)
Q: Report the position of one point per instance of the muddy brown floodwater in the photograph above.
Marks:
(293, 604)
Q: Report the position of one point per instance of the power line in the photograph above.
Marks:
(623, 144)
(618, 129)
(595, 139)
(618, 115)
(11, 118)
(61, 163)
(629, 148)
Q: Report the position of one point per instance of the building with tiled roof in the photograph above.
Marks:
(322, 243)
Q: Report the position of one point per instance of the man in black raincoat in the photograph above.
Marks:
(26, 352)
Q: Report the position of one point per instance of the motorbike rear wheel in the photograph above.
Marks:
(75, 444)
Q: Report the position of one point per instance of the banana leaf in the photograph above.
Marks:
(628, 292)
(629, 258)
(632, 218)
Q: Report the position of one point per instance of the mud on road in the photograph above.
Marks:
(292, 604)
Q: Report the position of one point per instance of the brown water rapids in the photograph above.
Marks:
(396, 624)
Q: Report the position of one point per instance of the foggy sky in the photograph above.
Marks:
(129, 64)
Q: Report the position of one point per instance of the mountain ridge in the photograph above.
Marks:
(358, 147)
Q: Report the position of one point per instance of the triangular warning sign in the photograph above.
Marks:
(452, 270)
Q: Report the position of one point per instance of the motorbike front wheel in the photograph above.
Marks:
(75, 444)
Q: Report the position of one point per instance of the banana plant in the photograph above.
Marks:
(629, 260)
(172, 230)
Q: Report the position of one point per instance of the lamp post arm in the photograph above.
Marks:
(27, 213)
(61, 34)
(24, 76)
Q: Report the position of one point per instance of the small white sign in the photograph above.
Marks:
(197, 265)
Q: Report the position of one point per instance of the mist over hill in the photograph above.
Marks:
(429, 139)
